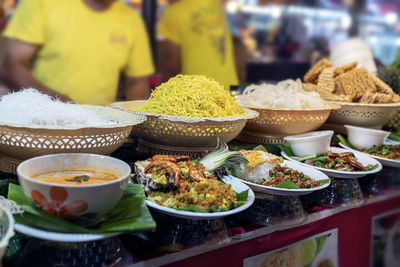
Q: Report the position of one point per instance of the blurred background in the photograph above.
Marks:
(278, 39)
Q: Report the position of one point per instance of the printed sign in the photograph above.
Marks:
(385, 244)
(317, 251)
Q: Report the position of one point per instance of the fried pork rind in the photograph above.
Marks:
(334, 97)
(383, 98)
(381, 86)
(325, 80)
(355, 83)
(347, 83)
(395, 98)
(312, 75)
(344, 68)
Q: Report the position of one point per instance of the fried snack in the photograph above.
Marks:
(395, 98)
(310, 86)
(368, 98)
(334, 97)
(383, 98)
(355, 83)
(381, 86)
(325, 81)
(312, 75)
(344, 68)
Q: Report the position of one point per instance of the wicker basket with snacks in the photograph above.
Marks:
(365, 99)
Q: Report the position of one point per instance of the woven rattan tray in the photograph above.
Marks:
(185, 134)
(21, 143)
(259, 138)
(364, 115)
(279, 123)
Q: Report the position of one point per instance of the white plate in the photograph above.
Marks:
(363, 159)
(237, 185)
(59, 237)
(391, 142)
(307, 170)
(384, 161)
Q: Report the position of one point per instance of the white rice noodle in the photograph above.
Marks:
(30, 107)
(288, 94)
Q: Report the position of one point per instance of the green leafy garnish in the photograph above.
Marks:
(288, 151)
(80, 178)
(322, 182)
(394, 137)
(222, 157)
(242, 196)
(260, 148)
(288, 185)
(343, 140)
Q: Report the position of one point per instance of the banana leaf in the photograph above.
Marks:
(129, 215)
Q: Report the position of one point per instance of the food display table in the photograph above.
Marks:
(353, 226)
(354, 233)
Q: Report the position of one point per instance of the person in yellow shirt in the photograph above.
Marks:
(196, 40)
(76, 50)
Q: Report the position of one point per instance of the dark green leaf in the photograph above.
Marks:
(192, 209)
(242, 196)
(288, 185)
(288, 151)
(80, 178)
(260, 148)
(130, 214)
(394, 137)
(343, 140)
(322, 182)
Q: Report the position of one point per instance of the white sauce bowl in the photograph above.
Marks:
(361, 138)
(310, 143)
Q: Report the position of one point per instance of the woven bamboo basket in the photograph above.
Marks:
(272, 124)
(164, 134)
(364, 115)
(20, 143)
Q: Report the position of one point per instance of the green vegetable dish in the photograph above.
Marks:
(384, 151)
(284, 177)
(180, 183)
(345, 161)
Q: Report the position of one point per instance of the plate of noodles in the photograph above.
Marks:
(285, 108)
(188, 111)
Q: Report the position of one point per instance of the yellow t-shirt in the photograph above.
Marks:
(201, 30)
(82, 52)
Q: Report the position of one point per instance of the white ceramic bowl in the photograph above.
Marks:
(81, 204)
(361, 137)
(310, 143)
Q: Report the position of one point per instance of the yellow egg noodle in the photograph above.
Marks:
(192, 96)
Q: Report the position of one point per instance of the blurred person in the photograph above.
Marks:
(320, 49)
(242, 30)
(76, 50)
(196, 40)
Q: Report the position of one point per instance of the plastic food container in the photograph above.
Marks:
(360, 137)
(310, 143)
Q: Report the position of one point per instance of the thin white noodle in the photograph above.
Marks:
(288, 94)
